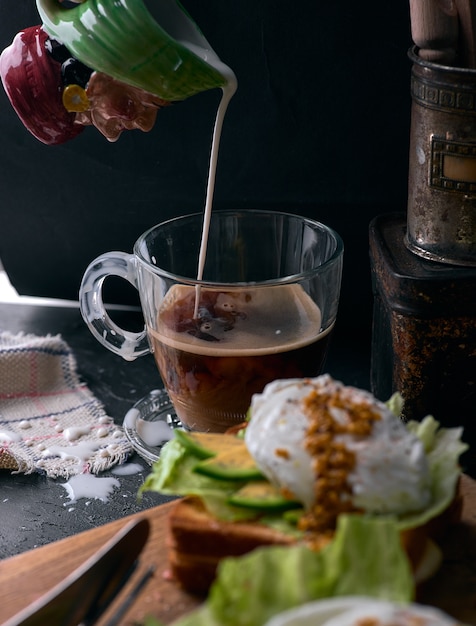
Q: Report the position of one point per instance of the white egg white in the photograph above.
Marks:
(391, 474)
(357, 610)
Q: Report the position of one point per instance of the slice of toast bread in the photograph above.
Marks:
(197, 542)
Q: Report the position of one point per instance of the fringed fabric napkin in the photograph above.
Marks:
(50, 422)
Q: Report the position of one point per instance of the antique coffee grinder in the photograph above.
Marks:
(424, 263)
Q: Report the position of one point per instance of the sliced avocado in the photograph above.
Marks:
(232, 464)
(207, 445)
(292, 516)
(261, 494)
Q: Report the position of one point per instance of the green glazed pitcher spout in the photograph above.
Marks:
(171, 59)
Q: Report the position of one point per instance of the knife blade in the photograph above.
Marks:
(90, 588)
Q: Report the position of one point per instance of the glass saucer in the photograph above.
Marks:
(150, 423)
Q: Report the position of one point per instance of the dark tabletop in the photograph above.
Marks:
(34, 509)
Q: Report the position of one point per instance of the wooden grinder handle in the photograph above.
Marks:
(434, 26)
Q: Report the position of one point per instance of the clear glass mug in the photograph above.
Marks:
(264, 309)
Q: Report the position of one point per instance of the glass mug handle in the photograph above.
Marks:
(127, 344)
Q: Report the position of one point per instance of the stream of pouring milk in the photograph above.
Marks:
(227, 93)
(183, 30)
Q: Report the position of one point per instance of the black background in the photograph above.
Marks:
(319, 126)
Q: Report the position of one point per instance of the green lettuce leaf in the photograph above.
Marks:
(443, 447)
(395, 404)
(364, 558)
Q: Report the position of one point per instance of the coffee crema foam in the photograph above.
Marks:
(245, 322)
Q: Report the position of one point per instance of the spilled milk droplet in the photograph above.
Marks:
(90, 486)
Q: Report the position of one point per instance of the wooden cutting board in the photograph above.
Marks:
(25, 577)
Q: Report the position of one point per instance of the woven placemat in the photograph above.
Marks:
(50, 422)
